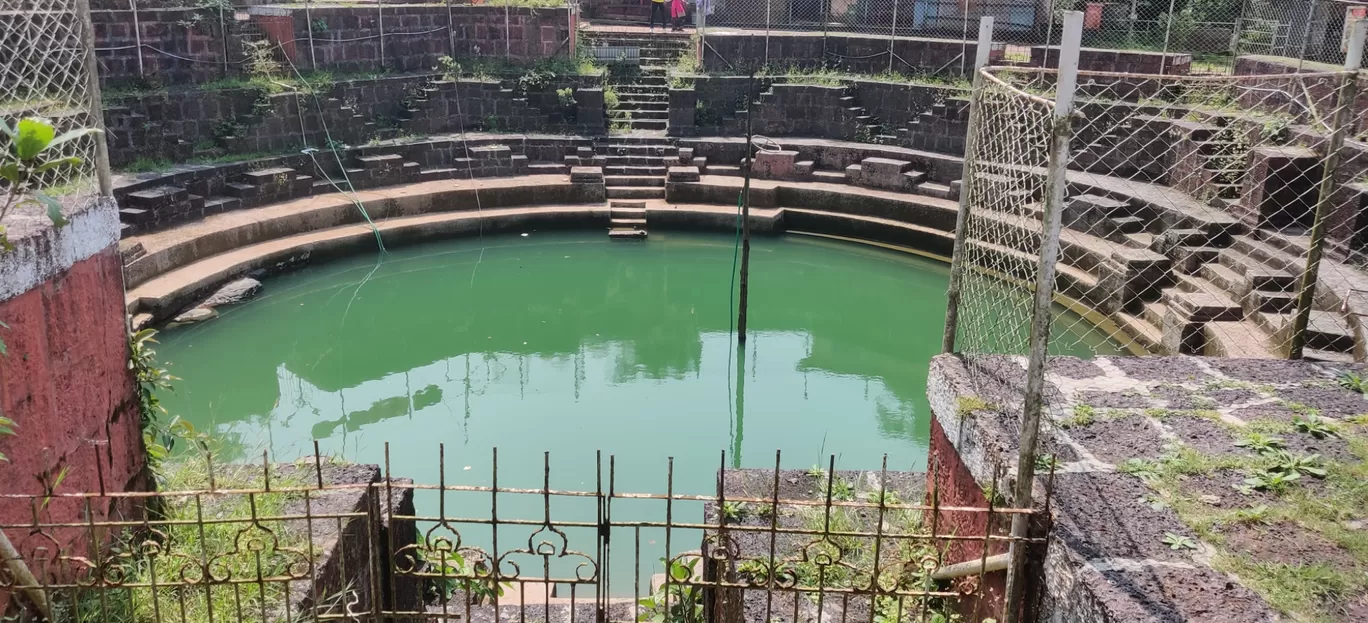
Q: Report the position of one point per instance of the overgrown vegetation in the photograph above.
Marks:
(1291, 495)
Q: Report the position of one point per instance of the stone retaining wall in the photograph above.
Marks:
(177, 126)
(332, 38)
(847, 52)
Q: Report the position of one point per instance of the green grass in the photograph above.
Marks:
(967, 405)
(170, 554)
(1082, 415)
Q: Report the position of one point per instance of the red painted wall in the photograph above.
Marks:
(955, 485)
(67, 386)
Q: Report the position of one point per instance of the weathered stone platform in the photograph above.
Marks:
(1166, 500)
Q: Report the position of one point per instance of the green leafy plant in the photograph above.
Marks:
(32, 160)
(1082, 415)
(817, 472)
(764, 510)
(1140, 468)
(1261, 443)
(674, 601)
(734, 511)
(842, 490)
(566, 97)
(455, 573)
(260, 59)
(883, 498)
(1289, 463)
(1268, 480)
(6, 430)
(1315, 425)
(1046, 463)
(152, 379)
(1178, 541)
(1352, 381)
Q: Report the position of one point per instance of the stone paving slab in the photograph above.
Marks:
(1152, 497)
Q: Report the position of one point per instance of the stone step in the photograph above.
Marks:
(1327, 356)
(1233, 283)
(620, 160)
(1257, 301)
(1268, 254)
(626, 233)
(829, 177)
(215, 205)
(1128, 224)
(1142, 331)
(1153, 313)
(1324, 330)
(731, 169)
(632, 180)
(634, 223)
(1141, 240)
(547, 168)
(627, 205)
(1237, 339)
(1260, 277)
(619, 192)
(932, 189)
(1201, 306)
(1191, 259)
(641, 114)
(648, 124)
(634, 170)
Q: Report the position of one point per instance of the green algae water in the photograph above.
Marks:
(579, 347)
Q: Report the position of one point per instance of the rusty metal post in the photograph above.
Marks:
(1055, 185)
(985, 45)
(743, 301)
(94, 101)
(1340, 125)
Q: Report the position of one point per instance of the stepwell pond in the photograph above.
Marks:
(572, 344)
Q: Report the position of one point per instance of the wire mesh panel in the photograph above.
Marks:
(43, 73)
(1187, 221)
(1005, 173)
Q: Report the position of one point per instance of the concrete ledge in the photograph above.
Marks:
(171, 248)
(43, 251)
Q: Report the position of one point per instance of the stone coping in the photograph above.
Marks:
(42, 251)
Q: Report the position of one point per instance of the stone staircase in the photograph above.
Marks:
(1230, 297)
(627, 220)
(642, 89)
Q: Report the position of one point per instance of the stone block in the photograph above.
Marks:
(682, 174)
(775, 164)
(586, 175)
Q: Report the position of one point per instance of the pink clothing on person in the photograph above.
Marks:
(676, 9)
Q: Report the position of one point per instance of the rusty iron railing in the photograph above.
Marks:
(319, 539)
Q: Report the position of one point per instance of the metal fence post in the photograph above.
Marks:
(768, 6)
(985, 46)
(137, 37)
(94, 100)
(1345, 98)
(892, 36)
(380, 23)
(1306, 34)
(508, 32)
(309, 27)
(451, 32)
(1055, 185)
(1168, 32)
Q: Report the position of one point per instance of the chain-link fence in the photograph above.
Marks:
(1186, 225)
(45, 73)
(1163, 36)
(1211, 215)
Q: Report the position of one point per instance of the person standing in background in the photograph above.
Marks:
(677, 12)
(658, 8)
